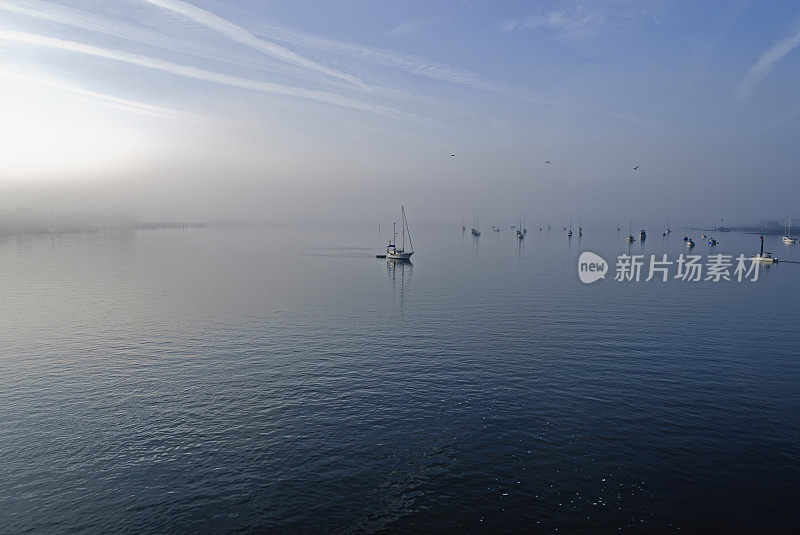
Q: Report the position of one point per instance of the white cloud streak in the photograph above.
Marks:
(205, 75)
(104, 99)
(764, 65)
(96, 23)
(577, 24)
(241, 35)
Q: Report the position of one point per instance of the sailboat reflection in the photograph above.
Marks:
(400, 274)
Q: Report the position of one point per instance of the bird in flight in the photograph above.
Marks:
(548, 161)
(452, 155)
(636, 168)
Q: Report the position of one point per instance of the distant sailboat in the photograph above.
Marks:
(520, 233)
(580, 228)
(569, 232)
(762, 256)
(631, 239)
(475, 222)
(392, 252)
(787, 238)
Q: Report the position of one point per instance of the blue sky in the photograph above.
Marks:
(272, 109)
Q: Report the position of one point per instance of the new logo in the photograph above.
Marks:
(591, 267)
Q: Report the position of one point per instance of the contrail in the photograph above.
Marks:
(766, 62)
(202, 74)
(100, 24)
(240, 35)
(109, 100)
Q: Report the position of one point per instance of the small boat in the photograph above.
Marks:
(580, 228)
(475, 232)
(631, 239)
(642, 235)
(520, 232)
(712, 241)
(392, 252)
(689, 243)
(767, 258)
(787, 238)
(569, 232)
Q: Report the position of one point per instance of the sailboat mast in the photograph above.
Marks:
(403, 224)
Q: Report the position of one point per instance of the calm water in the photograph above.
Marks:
(284, 379)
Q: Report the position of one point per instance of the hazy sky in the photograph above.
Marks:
(341, 110)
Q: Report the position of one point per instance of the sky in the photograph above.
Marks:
(342, 110)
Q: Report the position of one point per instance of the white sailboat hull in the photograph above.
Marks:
(767, 259)
(398, 255)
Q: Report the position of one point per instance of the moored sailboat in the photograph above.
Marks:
(392, 251)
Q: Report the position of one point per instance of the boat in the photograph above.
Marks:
(392, 252)
(787, 238)
(520, 232)
(667, 230)
(631, 239)
(475, 232)
(569, 232)
(712, 241)
(689, 243)
(767, 258)
(642, 235)
(580, 228)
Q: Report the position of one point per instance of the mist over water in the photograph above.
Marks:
(196, 334)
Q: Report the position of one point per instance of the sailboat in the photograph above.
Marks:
(520, 232)
(642, 235)
(475, 231)
(762, 256)
(787, 238)
(392, 252)
(580, 228)
(631, 239)
(569, 232)
(667, 230)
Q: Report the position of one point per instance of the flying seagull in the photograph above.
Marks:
(636, 168)
(452, 155)
(548, 161)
